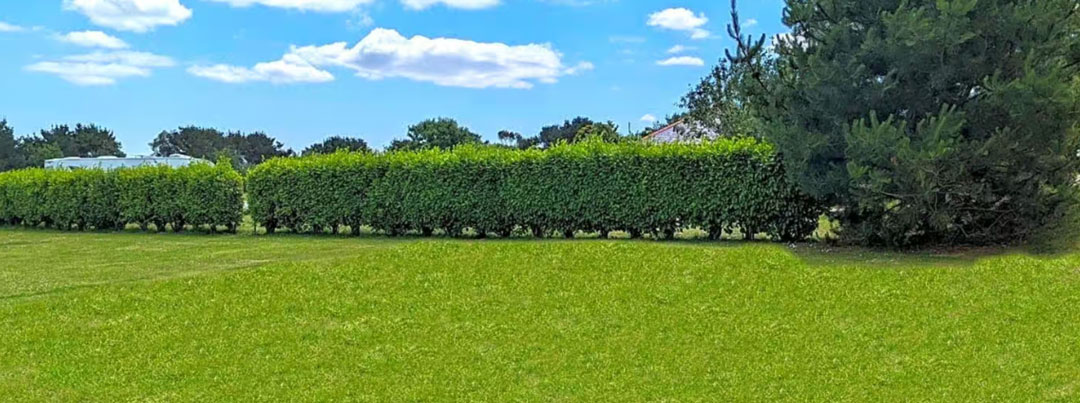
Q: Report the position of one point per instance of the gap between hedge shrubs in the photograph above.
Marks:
(591, 186)
(198, 195)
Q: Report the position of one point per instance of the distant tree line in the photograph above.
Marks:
(57, 142)
(246, 150)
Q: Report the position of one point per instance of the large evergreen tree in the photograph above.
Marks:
(925, 121)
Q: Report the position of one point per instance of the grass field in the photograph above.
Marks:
(146, 317)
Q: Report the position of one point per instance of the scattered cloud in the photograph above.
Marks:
(384, 53)
(649, 118)
(102, 68)
(578, 3)
(682, 61)
(680, 19)
(360, 20)
(749, 23)
(285, 71)
(5, 27)
(327, 6)
(93, 39)
(131, 15)
(465, 4)
(338, 6)
(580, 68)
(680, 49)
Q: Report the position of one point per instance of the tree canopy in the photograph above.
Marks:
(32, 152)
(607, 132)
(8, 156)
(86, 141)
(567, 131)
(444, 133)
(336, 143)
(245, 150)
(923, 121)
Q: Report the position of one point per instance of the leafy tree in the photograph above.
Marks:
(441, 133)
(526, 143)
(335, 143)
(87, 141)
(716, 104)
(924, 121)
(607, 132)
(567, 131)
(192, 141)
(255, 148)
(8, 156)
(33, 151)
(244, 150)
(509, 137)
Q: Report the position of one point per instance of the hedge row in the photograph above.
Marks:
(591, 186)
(198, 195)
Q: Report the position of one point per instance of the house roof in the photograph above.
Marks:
(677, 132)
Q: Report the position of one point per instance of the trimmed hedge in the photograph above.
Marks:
(198, 195)
(590, 186)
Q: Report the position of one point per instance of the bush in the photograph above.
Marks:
(200, 195)
(591, 186)
(311, 193)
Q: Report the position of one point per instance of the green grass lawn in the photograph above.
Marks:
(146, 317)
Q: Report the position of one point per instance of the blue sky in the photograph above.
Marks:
(302, 70)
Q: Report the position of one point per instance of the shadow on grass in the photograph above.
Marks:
(814, 254)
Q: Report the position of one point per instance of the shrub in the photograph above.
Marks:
(83, 199)
(311, 193)
(590, 186)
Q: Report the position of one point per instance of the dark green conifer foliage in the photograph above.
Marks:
(925, 122)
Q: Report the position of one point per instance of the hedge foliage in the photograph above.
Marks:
(198, 195)
(591, 186)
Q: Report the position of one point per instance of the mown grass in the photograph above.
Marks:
(121, 317)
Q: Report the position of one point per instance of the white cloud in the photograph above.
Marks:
(680, 19)
(5, 27)
(329, 6)
(580, 68)
(102, 68)
(749, 23)
(93, 39)
(465, 4)
(680, 49)
(682, 61)
(649, 118)
(385, 53)
(337, 6)
(286, 71)
(131, 15)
